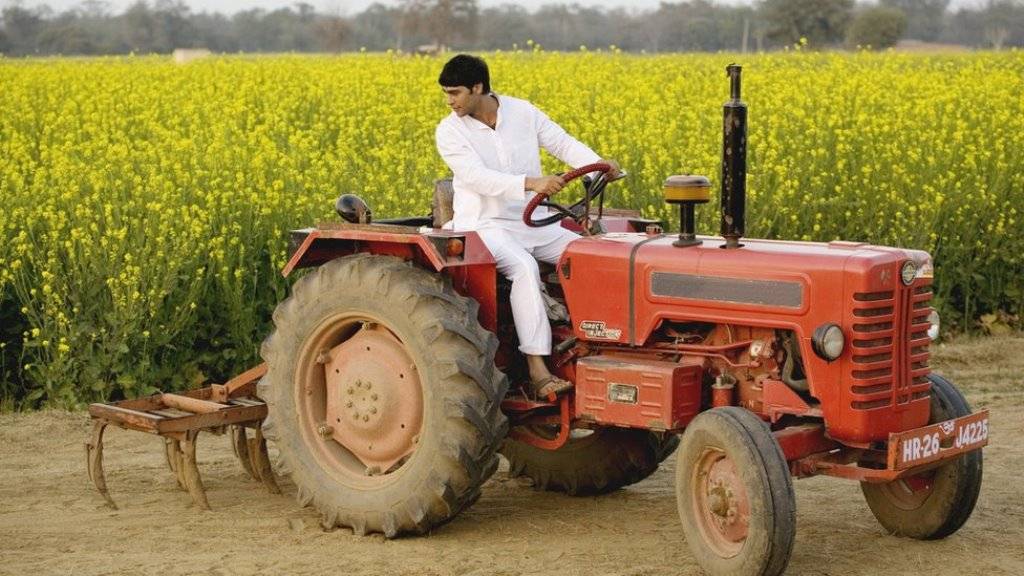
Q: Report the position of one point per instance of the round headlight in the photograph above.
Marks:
(908, 273)
(933, 330)
(828, 341)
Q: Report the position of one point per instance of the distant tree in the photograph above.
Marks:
(1001, 21)
(215, 31)
(22, 28)
(332, 33)
(503, 26)
(925, 18)
(173, 25)
(821, 22)
(377, 27)
(442, 21)
(876, 27)
(556, 27)
(699, 25)
(67, 35)
(139, 28)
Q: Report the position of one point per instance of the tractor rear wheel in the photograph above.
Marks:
(936, 503)
(382, 395)
(735, 495)
(591, 462)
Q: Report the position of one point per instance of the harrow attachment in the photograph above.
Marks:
(179, 418)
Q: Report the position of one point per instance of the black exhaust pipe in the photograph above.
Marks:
(734, 162)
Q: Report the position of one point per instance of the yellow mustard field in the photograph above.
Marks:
(144, 206)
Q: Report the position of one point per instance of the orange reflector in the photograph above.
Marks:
(455, 247)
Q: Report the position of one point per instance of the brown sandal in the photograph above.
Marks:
(551, 386)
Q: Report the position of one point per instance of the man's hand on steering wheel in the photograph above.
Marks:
(615, 171)
(547, 185)
(580, 209)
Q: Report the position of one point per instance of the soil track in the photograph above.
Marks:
(53, 522)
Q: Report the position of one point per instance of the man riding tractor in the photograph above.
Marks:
(492, 145)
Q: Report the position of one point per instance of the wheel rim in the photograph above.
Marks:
(720, 503)
(910, 493)
(359, 399)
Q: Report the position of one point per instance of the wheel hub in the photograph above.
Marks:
(721, 503)
(374, 398)
(912, 492)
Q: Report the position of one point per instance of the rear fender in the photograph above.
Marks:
(473, 273)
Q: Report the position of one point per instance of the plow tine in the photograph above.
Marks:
(169, 452)
(240, 442)
(94, 461)
(175, 459)
(261, 462)
(190, 471)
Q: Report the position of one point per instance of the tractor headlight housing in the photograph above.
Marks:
(908, 272)
(828, 341)
(933, 330)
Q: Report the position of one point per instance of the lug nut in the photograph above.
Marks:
(368, 386)
(373, 410)
(325, 430)
(366, 418)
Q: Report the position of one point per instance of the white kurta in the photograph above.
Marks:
(490, 167)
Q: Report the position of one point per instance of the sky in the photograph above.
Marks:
(351, 7)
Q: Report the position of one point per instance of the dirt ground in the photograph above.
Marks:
(53, 522)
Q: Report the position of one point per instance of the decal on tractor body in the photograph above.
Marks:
(596, 329)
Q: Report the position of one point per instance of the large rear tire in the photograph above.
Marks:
(398, 431)
(936, 503)
(735, 495)
(590, 462)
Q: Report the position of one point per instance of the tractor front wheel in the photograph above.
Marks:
(735, 495)
(936, 503)
(382, 395)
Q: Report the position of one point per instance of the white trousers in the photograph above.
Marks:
(516, 248)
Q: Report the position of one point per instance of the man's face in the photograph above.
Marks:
(462, 100)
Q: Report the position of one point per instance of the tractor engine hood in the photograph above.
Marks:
(628, 283)
(620, 287)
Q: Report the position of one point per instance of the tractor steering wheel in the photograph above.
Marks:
(579, 211)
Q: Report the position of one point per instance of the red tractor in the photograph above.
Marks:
(393, 381)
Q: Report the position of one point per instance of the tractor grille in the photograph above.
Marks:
(890, 346)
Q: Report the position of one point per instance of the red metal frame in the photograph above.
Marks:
(473, 274)
(810, 451)
(523, 406)
(779, 399)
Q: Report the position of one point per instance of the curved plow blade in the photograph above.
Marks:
(94, 461)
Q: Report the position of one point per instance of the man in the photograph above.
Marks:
(492, 145)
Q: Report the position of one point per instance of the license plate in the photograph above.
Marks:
(938, 441)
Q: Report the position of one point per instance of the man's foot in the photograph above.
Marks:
(549, 387)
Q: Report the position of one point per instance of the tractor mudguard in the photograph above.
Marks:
(462, 256)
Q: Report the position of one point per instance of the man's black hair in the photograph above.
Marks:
(465, 70)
